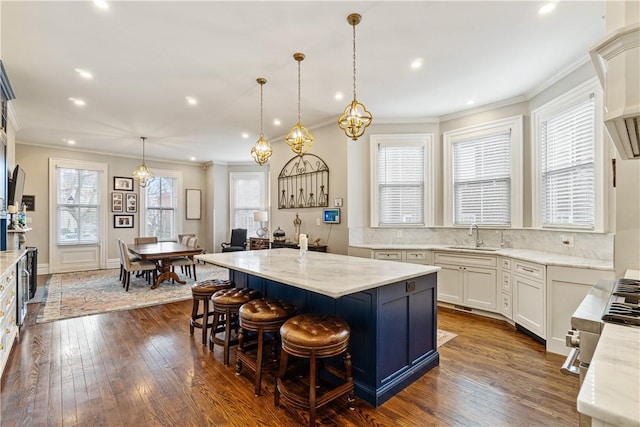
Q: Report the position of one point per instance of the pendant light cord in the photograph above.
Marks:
(299, 91)
(354, 62)
(261, 85)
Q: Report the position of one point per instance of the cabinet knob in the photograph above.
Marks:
(1, 347)
(1, 313)
(7, 331)
(1, 288)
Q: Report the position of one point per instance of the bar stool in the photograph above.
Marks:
(203, 291)
(226, 303)
(261, 316)
(314, 337)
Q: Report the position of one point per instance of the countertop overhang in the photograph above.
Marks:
(324, 273)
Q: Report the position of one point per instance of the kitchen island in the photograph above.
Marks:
(390, 308)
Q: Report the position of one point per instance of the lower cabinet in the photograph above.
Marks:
(8, 313)
(529, 297)
(467, 280)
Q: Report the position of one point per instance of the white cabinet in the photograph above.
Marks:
(406, 255)
(8, 313)
(566, 288)
(506, 293)
(529, 296)
(467, 280)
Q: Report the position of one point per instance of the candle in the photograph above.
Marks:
(304, 242)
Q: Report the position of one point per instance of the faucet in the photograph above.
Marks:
(478, 241)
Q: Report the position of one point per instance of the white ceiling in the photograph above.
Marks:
(148, 56)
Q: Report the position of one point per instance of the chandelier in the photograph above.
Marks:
(262, 150)
(355, 118)
(299, 138)
(142, 173)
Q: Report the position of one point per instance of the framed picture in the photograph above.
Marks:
(132, 203)
(116, 202)
(123, 221)
(122, 183)
(30, 201)
(193, 204)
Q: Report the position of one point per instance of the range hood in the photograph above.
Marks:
(617, 62)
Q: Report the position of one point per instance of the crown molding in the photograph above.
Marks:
(564, 72)
(482, 108)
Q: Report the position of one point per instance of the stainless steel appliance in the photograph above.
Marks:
(608, 301)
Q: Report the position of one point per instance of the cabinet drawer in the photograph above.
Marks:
(505, 263)
(416, 256)
(505, 306)
(390, 255)
(506, 282)
(534, 271)
(473, 260)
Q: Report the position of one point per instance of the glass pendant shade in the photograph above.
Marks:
(261, 151)
(142, 173)
(355, 118)
(299, 138)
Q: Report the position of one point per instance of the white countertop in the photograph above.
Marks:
(8, 259)
(539, 257)
(324, 273)
(611, 389)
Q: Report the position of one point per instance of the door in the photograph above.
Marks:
(480, 288)
(77, 215)
(450, 284)
(529, 304)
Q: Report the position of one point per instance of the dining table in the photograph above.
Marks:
(163, 252)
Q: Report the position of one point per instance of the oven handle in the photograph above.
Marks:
(568, 367)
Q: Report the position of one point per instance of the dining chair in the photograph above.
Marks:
(187, 262)
(238, 241)
(140, 265)
(145, 239)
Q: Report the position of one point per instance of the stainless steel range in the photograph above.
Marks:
(608, 301)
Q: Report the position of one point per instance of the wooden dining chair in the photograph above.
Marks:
(187, 263)
(145, 239)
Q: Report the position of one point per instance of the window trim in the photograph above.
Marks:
(560, 103)
(262, 177)
(177, 175)
(426, 140)
(515, 123)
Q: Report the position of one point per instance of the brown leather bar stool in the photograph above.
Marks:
(203, 291)
(226, 304)
(261, 316)
(314, 336)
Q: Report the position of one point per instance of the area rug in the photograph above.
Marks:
(444, 337)
(100, 291)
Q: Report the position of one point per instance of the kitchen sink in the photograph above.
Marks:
(473, 248)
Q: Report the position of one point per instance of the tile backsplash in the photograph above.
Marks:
(581, 244)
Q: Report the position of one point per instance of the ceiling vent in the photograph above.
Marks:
(617, 62)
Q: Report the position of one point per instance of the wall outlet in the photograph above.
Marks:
(399, 233)
(567, 241)
(318, 221)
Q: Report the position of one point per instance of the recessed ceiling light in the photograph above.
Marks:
(68, 141)
(339, 96)
(78, 102)
(245, 135)
(547, 8)
(83, 73)
(417, 63)
(191, 100)
(276, 122)
(193, 159)
(101, 4)
(471, 102)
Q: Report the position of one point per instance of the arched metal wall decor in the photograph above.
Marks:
(303, 183)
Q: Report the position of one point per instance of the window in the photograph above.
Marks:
(402, 180)
(78, 205)
(483, 174)
(160, 197)
(161, 208)
(248, 195)
(566, 136)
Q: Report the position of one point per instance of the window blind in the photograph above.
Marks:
(161, 201)
(568, 166)
(482, 179)
(78, 201)
(401, 184)
(247, 196)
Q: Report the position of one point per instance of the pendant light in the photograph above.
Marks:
(355, 118)
(142, 173)
(299, 138)
(262, 150)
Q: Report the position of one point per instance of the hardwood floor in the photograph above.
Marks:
(142, 368)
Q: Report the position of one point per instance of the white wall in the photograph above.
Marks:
(35, 161)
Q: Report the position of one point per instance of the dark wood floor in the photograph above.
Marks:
(142, 368)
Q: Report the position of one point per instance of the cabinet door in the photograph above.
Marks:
(480, 288)
(529, 304)
(450, 284)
